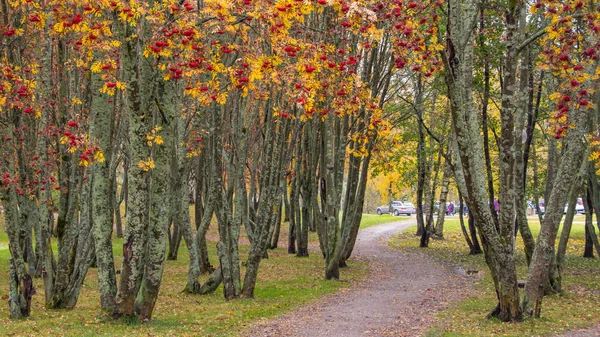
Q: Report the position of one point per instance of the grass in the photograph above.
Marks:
(285, 282)
(370, 220)
(575, 308)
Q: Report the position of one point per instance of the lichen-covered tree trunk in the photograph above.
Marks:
(544, 249)
(524, 103)
(202, 210)
(277, 230)
(507, 146)
(431, 186)
(182, 214)
(484, 110)
(594, 192)
(139, 86)
(159, 214)
(21, 287)
(272, 163)
(29, 216)
(116, 207)
(355, 209)
(556, 277)
(229, 231)
(459, 178)
(330, 196)
(305, 187)
(295, 210)
(68, 232)
(498, 249)
(174, 232)
(589, 223)
(439, 224)
(376, 70)
(421, 176)
(292, 223)
(102, 196)
(462, 223)
(85, 249)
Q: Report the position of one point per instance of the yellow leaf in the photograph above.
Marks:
(555, 96)
(99, 156)
(96, 67)
(222, 98)
(146, 165)
(58, 27)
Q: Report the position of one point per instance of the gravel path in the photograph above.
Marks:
(400, 297)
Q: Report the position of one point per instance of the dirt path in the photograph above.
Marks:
(400, 297)
(589, 332)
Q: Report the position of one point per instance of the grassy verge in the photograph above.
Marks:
(285, 283)
(370, 220)
(574, 308)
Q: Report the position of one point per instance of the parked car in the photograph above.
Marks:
(398, 207)
(542, 207)
(579, 209)
(530, 208)
(408, 207)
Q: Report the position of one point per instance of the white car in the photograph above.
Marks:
(579, 209)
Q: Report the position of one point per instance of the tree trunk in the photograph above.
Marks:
(589, 223)
(497, 244)
(203, 210)
(275, 237)
(421, 176)
(292, 224)
(193, 285)
(330, 194)
(588, 250)
(525, 103)
(102, 197)
(21, 287)
(274, 159)
(159, 213)
(439, 225)
(355, 202)
(138, 190)
(117, 209)
(556, 273)
(544, 249)
(462, 225)
(174, 234)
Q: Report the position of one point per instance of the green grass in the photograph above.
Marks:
(370, 220)
(575, 308)
(285, 283)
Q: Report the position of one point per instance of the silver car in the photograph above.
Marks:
(398, 207)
